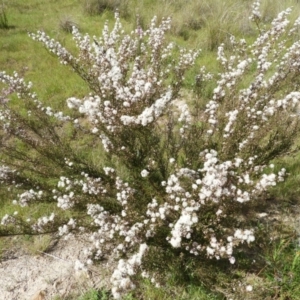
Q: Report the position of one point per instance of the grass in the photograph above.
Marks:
(3, 18)
(203, 24)
(36, 245)
(280, 278)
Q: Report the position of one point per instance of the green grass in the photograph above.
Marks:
(197, 24)
(94, 295)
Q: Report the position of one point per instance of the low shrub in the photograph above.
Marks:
(134, 167)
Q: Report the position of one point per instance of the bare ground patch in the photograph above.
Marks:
(28, 277)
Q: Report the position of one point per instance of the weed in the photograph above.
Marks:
(94, 295)
(66, 24)
(3, 17)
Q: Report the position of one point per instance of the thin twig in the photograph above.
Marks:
(53, 256)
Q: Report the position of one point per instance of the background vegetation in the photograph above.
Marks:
(196, 24)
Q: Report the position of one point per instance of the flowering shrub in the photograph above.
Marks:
(165, 176)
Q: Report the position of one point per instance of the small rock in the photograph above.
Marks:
(39, 296)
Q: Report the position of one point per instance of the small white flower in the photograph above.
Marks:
(95, 130)
(232, 260)
(249, 288)
(144, 173)
(219, 212)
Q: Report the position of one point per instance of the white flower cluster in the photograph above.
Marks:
(49, 111)
(112, 225)
(244, 235)
(87, 185)
(121, 276)
(6, 173)
(150, 113)
(66, 229)
(25, 198)
(220, 249)
(185, 119)
(108, 170)
(204, 75)
(16, 84)
(43, 222)
(269, 51)
(7, 220)
(255, 13)
(182, 228)
(268, 180)
(124, 83)
(22, 89)
(220, 182)
(53, 46)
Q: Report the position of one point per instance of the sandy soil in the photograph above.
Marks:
(44, 276)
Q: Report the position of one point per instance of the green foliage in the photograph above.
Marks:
(3, 18)
(94, 295)
(282, 269)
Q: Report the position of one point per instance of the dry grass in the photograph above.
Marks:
(36, 245)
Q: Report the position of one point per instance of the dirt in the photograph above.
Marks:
(50, 274)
